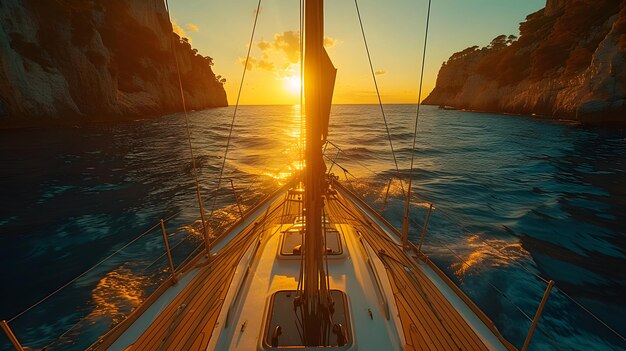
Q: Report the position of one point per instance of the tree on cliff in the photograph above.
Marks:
(498, 42)
(97, 60)
(567, 62)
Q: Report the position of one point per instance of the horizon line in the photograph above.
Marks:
(356, 103)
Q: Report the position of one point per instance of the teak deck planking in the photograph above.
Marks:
(429, 320)
(188, 321)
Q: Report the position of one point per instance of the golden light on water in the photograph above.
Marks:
(280, 177)
(194, 229)
(421, 204)
(489, 252)
(290, 159)
(297, 165)
(118, 293)
(218, 220)
(396, 188)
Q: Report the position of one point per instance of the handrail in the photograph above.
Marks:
(519, 264)
(439, 272)
(430, 210)
(161, 223)
(479, 313)
(11, 336)
(232, 185)
(370, 265)
(537, 276)
(83, 273)
(167, 250)
(9, 332)
(537, 316)
(242, 281)
(465, 230)
(113, 334)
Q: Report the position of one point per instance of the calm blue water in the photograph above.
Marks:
(514, 197)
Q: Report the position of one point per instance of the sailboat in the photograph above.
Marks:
(312, 266)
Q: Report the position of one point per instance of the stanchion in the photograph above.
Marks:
(538, 315)
(205, 229)
(169, 254)
(430, 209)
(382, 212)
(11, 336)
(232, 185)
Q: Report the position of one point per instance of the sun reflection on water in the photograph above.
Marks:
(193, 230)
(117, 293)
(487, 253)
(290, 159)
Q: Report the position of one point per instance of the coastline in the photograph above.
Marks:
(569, 121)
(38, 123)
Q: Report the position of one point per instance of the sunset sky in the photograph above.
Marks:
(394, 29)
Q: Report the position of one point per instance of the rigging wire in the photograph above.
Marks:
(506, 297)
(301, 125)
(443, 212)
(188, 129)
(517, 263)
(591, 314)
(232, 123)
(350, 155)
(417, 115)
(359, 221)
(380, 102)
(149, 230)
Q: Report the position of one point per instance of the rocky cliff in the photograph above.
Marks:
(568, 62)
(96, 60)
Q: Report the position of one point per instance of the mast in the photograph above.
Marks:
(318, 73)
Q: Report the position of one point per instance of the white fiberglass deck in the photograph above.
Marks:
(426, 311)
(271, 273)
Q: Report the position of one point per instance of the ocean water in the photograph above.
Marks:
(516, 200)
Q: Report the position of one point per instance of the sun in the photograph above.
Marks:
(292, 84)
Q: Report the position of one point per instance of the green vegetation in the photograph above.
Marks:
(562, 43)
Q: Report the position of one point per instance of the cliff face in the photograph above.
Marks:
(569, 62)
(101, 59)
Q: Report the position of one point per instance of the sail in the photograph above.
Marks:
(329, 73)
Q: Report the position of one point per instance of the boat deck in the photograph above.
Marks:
(188, 321)
(429, 320)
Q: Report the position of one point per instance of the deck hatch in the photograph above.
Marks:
(291, 244)
(283, 328)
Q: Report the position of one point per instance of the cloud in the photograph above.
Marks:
(286, 44)
(330, 42)
(253, 62)
(289, 43)
(265, 64)
(192, 27)
(264, 45)
(380, 72)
